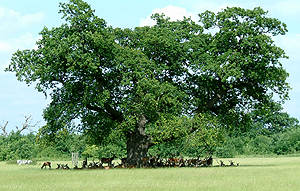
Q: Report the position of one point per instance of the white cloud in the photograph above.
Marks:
(13, 33)
(12, 20)
(175, 13)
(25, 41)
(212, 6)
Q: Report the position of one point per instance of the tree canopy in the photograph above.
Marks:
(139, 81)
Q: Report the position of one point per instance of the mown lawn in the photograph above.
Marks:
(255, 174)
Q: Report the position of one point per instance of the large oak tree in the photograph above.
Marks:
(141, 81)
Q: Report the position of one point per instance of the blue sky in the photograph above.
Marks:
(21, 22)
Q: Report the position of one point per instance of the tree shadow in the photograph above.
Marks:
(258, 165)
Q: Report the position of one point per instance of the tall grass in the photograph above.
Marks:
(254, 174)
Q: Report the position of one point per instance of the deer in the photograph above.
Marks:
(207, 162)
(45, 164)
(107, 160)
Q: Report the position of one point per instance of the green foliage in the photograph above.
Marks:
(261, 145)
(206, 136)
(194, 137)
(280, 143)
(112, 150)
(287, 142)
(167, 149)
(91, 151)
(225, 151)
(50, 152)
(63, 141)
(270, 120)
(168, 128)
(17, 146)
(207, 139)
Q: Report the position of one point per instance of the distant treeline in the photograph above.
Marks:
(15, 146)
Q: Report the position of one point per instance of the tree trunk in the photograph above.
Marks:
(138, 144)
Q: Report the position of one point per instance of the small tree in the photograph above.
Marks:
(91, 151)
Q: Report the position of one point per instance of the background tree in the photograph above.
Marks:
(135, 80)
(91, 151)
(270, 120)
(209, 134)
(16, 144)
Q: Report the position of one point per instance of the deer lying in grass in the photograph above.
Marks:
(207, 162)
(107, 160)
(63, 166)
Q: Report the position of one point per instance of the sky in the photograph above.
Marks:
(21, 22)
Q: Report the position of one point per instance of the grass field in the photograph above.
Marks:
(255, 174)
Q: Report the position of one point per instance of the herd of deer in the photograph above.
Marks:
(59, 166)
(150, 162)
(147, 162)
(176, 162)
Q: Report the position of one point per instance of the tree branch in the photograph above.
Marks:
(26, 124)
(3, 128)
(109, 111)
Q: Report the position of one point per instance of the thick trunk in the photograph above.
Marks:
(138, 144)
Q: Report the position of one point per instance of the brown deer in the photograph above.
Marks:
(124, 162)
(207, 162)
(45, 164)
(107, 160)
(173, 162)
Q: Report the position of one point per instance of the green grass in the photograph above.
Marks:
(255, 174)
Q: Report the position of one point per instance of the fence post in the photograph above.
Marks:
(75, 160)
